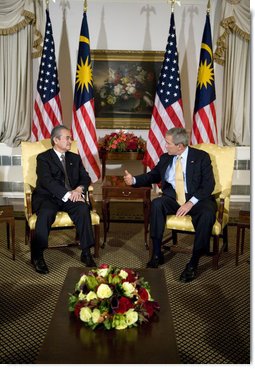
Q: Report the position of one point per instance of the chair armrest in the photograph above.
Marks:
(221, 196)
(90, 198)
(28, 198)
(221, 210)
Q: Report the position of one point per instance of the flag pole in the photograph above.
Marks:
(173, 2)
(208, 7)
(85, 5)
(47, 4)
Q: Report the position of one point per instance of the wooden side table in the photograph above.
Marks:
(114, 187)
(242, 223)
(7, 216)
(119, 157)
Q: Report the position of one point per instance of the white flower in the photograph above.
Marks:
(118, 90)
(128, 289)
(85, 314)
(82, 296)
(95, 315)
(130, 88)
(123, 274)
(82, 280)
(91, 296)
(131, 316)
(103, 272)
(104, 291)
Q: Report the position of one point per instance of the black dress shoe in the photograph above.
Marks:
(155, 261)
(87, 259)
(188, 274)
(40, 265)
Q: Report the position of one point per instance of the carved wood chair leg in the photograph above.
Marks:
(216, 254)
(225, 238)
(31, 236)
(27, 231)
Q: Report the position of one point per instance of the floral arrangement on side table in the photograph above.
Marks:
(121, 141)
(112, 298)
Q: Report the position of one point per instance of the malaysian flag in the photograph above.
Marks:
(204, 127)
(47, 106)
(167, 111)
(83, 124)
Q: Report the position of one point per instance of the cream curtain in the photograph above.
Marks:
(20, 40)
(233, 52)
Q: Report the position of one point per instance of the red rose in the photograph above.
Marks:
(150, 307)
(124, 305)
(143, 293)
(77, 309)
(104, 266)
(132, 145)
(131, 275)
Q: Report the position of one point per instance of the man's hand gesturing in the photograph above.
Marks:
(128, 178)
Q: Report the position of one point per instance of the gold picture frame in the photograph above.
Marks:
(124, 87)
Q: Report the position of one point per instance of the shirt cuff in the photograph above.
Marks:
(66, 197)
(134, 181)
(194, 200)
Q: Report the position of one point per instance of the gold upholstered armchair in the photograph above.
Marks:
(29, 152)
(222, 159)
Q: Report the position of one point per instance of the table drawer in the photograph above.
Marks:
(126, 193)
(6, 211)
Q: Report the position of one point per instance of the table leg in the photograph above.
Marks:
(242, 240)
(237, 243)
(13, 239)
(146, 213)
(105, 211)
(8, 234)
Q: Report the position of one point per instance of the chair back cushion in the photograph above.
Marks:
(222, 159)
(29, 152)
(223, 165)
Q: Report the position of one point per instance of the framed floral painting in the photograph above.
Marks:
(124, 87)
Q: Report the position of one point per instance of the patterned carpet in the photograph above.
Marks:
(211, 314)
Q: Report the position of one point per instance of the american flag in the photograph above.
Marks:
(167, 111)
(204, 127)
(47, 105)
(83, 123)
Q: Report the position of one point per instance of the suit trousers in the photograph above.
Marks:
(46, 211)
(203, 216)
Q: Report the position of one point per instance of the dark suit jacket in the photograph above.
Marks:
(199, 175)
(51, 177)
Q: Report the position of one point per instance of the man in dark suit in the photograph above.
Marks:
(197, 200)
(56, 191)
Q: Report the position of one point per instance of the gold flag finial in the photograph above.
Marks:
(85, 6)
(173, 2)
(208, 7)
(47, 4)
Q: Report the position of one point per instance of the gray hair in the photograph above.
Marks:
(56, 132)
(179, 135)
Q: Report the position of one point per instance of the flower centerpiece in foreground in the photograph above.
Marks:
(121, 141)
(112, 298)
